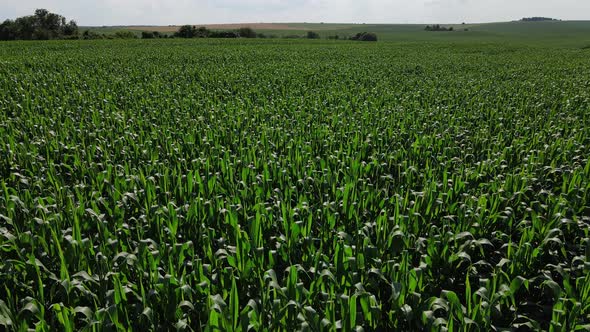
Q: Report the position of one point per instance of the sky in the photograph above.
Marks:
(176, 12)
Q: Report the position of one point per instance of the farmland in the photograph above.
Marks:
(545, 34)
(294, 185)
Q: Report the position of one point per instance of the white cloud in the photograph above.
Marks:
(163, 12)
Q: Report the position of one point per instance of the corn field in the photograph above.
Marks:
(204, 185)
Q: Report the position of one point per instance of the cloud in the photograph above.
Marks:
(164, 12)
(455, 11)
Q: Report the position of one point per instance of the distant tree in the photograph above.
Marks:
(41, 25)
(246, 32)
(147, 35)
(202, 32)
(437, 27)
(46, 25)
(25, 28)
(124, 35)
(8, 30)
(71, 29)
(369, 36)
(224, 34)
(364, 36)
(313, 35)
(186, 31)
(189, 31)
(87, 35)
(537, 19)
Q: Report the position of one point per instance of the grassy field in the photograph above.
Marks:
(548, 34)
(295, 185)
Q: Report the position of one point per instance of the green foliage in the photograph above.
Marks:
(152, 35)
(438, 27)
(125, 35)
(147, 35)
(224, 34)
(548, 34)
(87, 34)
(537, 19)
(42, 25)
(313, 35)
(246, 32)
(235, 185)
(365, 36)
(186, 31)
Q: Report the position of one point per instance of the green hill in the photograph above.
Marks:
(546, 33)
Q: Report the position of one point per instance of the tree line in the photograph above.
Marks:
(42, 25)
(192, 31)
(438, 27)
(538, 19)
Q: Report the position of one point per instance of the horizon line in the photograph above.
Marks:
(326, 23)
